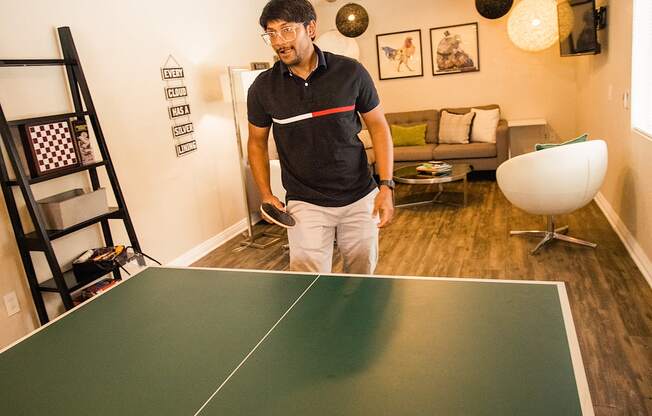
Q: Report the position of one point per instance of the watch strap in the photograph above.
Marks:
(387, 182)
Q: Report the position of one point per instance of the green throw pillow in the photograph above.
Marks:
(543, 146)
(409, 135)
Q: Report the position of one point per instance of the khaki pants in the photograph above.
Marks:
(311, 239)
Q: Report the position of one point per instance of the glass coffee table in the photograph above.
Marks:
(410, 174)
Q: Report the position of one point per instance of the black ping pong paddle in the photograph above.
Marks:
(276, 216)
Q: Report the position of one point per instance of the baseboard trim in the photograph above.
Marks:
(633, 247)
(209, 245)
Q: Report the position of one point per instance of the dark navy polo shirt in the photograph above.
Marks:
(315, 125)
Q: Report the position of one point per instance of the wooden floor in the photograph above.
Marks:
(610, 300)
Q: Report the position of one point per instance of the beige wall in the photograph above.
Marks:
(176, 204)
(628, 186)
(525, 85)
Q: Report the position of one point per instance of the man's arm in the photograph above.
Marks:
(384, 152)
(259, 163)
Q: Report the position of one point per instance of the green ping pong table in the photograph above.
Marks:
(189, 341)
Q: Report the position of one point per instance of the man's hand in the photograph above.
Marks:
(384, 152)
(271, 199)
(384, 205)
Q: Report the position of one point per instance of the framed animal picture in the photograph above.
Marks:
(50, 147)
(399, 54)
(455, 49)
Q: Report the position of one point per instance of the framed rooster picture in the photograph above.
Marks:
(455, 49)
(399, 54)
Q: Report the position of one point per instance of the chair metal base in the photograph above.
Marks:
(552, 234)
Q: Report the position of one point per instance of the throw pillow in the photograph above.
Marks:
(409, 135)
(484, 125)
(365, 138)
(543, 146)
(455, 128)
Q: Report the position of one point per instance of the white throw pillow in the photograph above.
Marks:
(365, 138)
(484, 125)
(455, 128)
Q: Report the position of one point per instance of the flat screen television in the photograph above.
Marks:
(578, 28)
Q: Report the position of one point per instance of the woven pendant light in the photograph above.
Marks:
(532, 25)
(493, 9)
(352, 20)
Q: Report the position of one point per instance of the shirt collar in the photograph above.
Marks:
(321, 61)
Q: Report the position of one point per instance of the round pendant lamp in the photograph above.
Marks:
(532, 25)
(493, 9)
(352, 20)
(333, 41)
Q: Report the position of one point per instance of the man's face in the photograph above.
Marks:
(291, 52)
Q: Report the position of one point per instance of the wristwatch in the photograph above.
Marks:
(387, 182)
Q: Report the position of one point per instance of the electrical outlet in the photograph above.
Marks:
(11, 303)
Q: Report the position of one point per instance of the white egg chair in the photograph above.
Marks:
(552, 182)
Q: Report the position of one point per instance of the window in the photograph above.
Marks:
(642, 67)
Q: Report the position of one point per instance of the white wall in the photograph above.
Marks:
(628, 186)
(176, 204)
(525, 85)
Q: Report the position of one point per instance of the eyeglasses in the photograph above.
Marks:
(286, 34)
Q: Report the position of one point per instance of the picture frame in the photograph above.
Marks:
(455, 49)
(259, 65)
(50, 147)
(83, 138)
(400, 54)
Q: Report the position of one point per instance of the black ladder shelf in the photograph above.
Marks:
(40, 240)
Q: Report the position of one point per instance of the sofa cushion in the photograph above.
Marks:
(464, 110)
(409, 135)
(464, 151)
(484, 125)
(455, 128)
(411, 118)
(410, 153)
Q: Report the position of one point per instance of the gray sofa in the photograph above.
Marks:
(482, 156)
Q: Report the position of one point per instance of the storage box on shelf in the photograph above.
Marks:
(72, 207)
(75, 280)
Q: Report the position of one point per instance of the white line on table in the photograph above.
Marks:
(254, 348)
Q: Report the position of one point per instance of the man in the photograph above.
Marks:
(312, 98)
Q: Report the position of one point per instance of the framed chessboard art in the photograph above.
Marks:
(50, 147)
